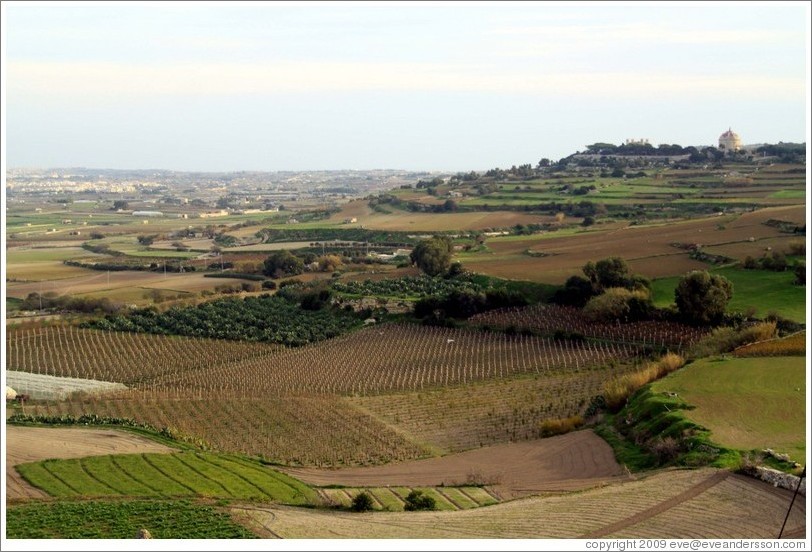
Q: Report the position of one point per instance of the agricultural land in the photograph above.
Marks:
(600, 347)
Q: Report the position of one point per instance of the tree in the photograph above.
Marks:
(607, 273)
(362, 502)
(146, 240)
(576, 291)
(120, 204)
(800, 274)
(329, 263)
(282, 263)
(702, 297)
(433, 256)
(416, 500)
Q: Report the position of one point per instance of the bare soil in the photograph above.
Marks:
(575, 461)
(31, 444)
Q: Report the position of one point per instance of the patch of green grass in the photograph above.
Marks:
(746, 403)
(789, 194)
(626, 452)
(13, 304)
(167, 475)
(763, 290)
(180, 519)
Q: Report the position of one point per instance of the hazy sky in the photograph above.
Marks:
(416, 86)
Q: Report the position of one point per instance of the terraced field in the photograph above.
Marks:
(164, 476)
(670, 504)
(393, 499)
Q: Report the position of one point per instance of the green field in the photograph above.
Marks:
(178, 519)
(746, 403)
(166, 475)
(392, 499)
(763, 290)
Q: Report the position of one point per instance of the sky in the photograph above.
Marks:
(419, 86)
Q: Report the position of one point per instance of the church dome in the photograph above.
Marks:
(730, 141)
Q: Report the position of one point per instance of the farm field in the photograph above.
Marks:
(746, 403)
(118, 519)
(647, 248)
(32, 444)
(427, 222)
(763, 290)
(167, 475)
(486, 413)
(39, 386)
(732, 506)
(129, 286)
(292, 430)
(392, 499)
(575, 461)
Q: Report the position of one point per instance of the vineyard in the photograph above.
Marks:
(285, 405)
(304, 430)
(395, 357)
(489, 412)
(122, 357)
(552, 318)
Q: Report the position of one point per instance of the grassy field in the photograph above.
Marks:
(763, 290)
(746, 403)
(166, 476)
(177, 519)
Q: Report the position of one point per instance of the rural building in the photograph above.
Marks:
(147, 214)
(730, 141)
(208, 214)
(351, 220)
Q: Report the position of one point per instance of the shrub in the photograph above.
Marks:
(724, 340)
(616, 392)
(362, 502)
(558, 426)
(268, 284)
(418, 501)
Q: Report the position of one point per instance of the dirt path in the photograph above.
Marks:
(684, 496)
(30, 444)
(569, 462)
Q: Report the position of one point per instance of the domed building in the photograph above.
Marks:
(730, 141)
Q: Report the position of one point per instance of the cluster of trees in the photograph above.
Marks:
(608, 291)
(283, 263)
(274, 319)
(433, 256)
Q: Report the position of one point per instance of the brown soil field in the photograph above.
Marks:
(45, 271)
(123, 285)
(668, 504)
(427, 222)
(31, 444)
(574, 461)
(647, 248)
(755, 249)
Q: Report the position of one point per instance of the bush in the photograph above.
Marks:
(362, 502)
(558, 426)
(724, 340)
(616, 392)
(268, 284)
(418, 501)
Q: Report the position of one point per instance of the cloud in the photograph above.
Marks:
(99, 81)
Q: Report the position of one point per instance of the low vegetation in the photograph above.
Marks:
(120, 519)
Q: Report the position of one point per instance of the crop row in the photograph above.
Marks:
(305, 430)
(391, 358)
(124, 357)
(165, 476)
(494, 411)
(553, 318)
